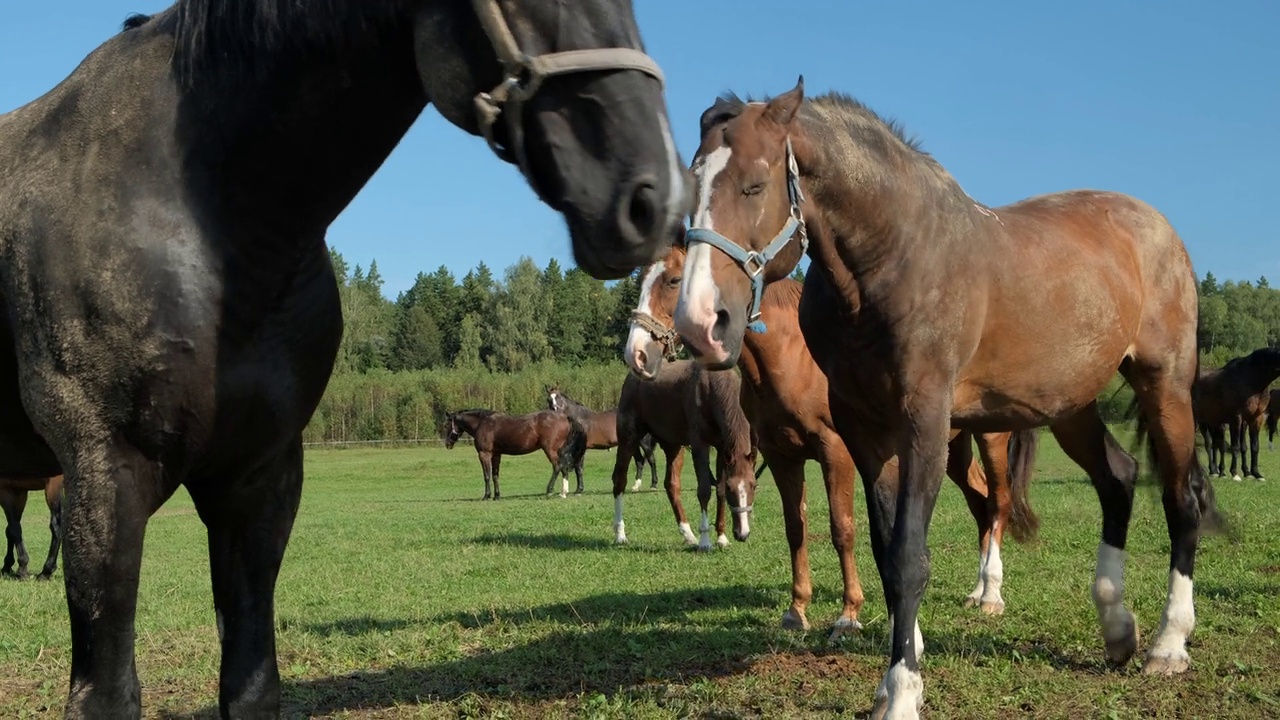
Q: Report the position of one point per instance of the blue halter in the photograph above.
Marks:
(753, 262)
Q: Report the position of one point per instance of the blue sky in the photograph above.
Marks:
(1177, 103)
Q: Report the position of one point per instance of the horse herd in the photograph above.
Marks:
(169, 314)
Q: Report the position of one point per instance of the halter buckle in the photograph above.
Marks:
(754, 263)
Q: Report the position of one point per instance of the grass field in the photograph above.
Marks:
(402, 595)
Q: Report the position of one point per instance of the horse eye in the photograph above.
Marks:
(674, 281)
(753, 189)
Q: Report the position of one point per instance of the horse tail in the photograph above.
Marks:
(1273, 423)
(1212, 520)
(1023, 521)
(574, 447)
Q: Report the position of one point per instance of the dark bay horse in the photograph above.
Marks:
(602, 431)
(560, 437)
(785, 398)
(690, 405)
(13, 500)
(170, 315)
(1236, 395)
(931, 313)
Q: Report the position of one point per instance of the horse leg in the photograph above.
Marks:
(705, 484)
(1220, 443)
(496, 467)
(1086, 440)
(620, 486)
(577, 471)
(974, 487)
(14, 501)
(1166, 405)
(788, 475)
(53, 498)
(922, 455)
(1255, 428)
(675, 461)
(993, 451)
(838, 477)
(111, 491)
(1207, 434)
(486, 466)
(721, 479)
(249, 524)
(1234, 428)
(653, 465)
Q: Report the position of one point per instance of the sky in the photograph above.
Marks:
(1176, 103)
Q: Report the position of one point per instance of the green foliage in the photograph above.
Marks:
(1237, 318)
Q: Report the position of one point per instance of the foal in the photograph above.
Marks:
(692, 406)
(560, 437)
(785, 397)
(13, 500)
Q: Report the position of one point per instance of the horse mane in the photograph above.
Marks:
(784, 293)
(134, 20)
(234, 38)
(478, 412)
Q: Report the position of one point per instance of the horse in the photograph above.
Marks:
(692, 406)
(931, 313)
(1273, 417)
(560, 437)
(784, 394)
(1236, 395)
(602, 431)
(170, 313)
(13, 500)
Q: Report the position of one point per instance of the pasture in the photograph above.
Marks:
(402, 595)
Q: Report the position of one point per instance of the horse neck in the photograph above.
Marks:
(470, 422)
(278, 154)
(768, 358)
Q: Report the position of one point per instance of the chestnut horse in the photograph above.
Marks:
(1236, 395)
(693, 406)
(13, 500)
(560, 437)
(930, 313)
(602, 431)
(785, 397)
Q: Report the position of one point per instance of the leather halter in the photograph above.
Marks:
(523, 75)
(753, 262)
(665, 336)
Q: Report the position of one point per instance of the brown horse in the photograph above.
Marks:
(1273, 417)
(785, 397)
(560, 437)
(602, 431)
(13, 500)
(692, 406)
(929, 312)
(1236, 395)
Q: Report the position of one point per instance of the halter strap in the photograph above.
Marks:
(665, 336)
(753, 262)
(523, 75)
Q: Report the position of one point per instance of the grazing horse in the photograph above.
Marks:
(785, 397)
(1273, 417)
(169, 314)
(690, 405)
(931, 313)
(13, 500)
(1236, 395)
(560, 437)
(602, 431)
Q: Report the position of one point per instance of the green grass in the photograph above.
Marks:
(403, 596)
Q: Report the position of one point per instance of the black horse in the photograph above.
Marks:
(168, 312)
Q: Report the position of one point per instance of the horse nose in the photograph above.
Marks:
(641, 212)
(640, 363)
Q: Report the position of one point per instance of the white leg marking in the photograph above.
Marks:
(1168, 654)
(705, 542)
(564, 487)
(1119, 629)
(993, 569)
(636, 486)
(619, 528)
(722, 540)
(686, 532)
(975, 597)
(900, 695)
(919, 639)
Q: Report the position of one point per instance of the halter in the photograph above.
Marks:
(667, 337)
(751, 261)
(523, 76)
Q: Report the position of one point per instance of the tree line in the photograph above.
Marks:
(488, 341)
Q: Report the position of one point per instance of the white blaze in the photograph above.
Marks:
(698, 290)
(638, 337)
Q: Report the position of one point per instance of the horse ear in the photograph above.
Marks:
(782, 109)
(723, 110)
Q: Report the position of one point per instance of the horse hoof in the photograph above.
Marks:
(722, 542)
(972, 601)
(1121, 649)
(844, 627)
(45, 576)
(992, 608)
(1167, 664)
(704, 546)
(1237, 478)
(794, 619)
(900, 711)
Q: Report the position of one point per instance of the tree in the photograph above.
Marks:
(471, 341)
(517, 336)
(366, 317)
(415, 342)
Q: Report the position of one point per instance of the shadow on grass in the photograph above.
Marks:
(350, 627)
(634, 643)
(565, 541)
